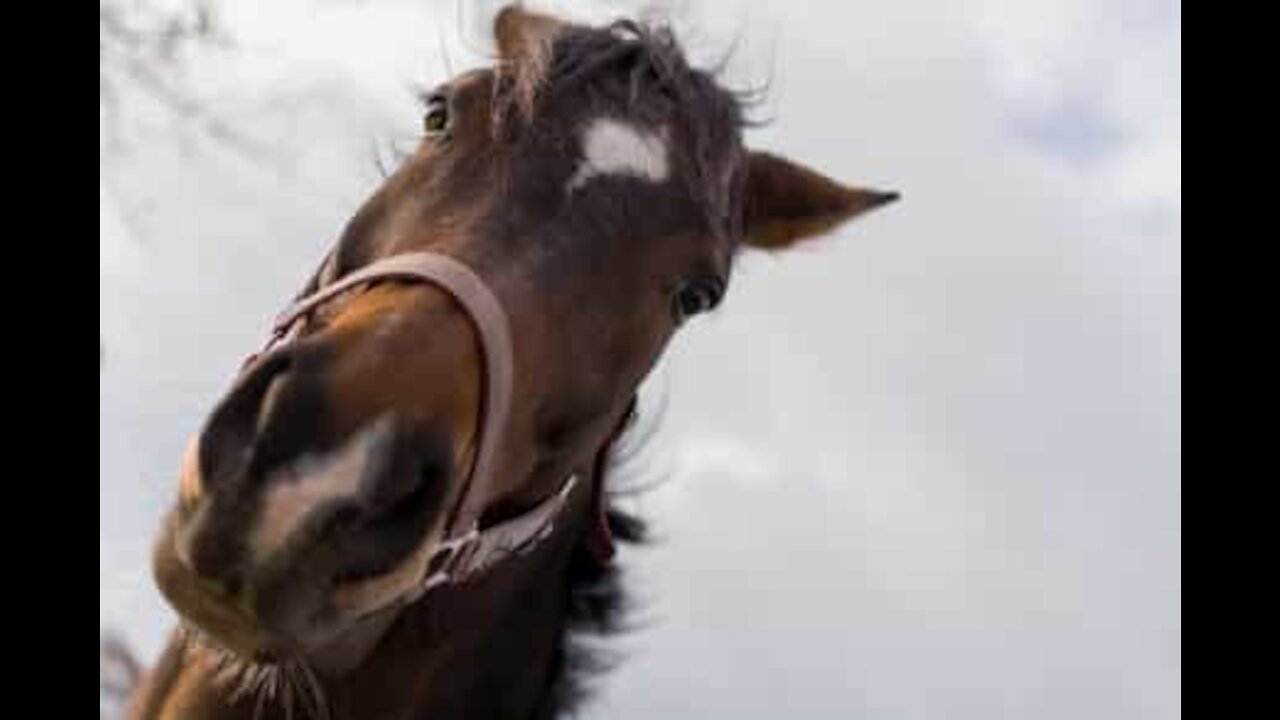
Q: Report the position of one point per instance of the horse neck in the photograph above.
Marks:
(489, 649)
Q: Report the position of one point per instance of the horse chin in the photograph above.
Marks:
(213, 622)
(210, 617)
(241, 641)
(204, 609)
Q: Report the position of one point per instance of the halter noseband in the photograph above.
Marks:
(466, 548)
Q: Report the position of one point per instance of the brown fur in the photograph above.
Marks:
(590, 280)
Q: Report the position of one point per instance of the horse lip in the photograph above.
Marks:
(216, 619)
(221, 622)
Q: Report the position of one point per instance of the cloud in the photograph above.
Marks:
(926, 467)
(1095, 81)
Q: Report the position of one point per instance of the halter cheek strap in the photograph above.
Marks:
(466, 549)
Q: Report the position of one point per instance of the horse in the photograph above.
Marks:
(398, 510)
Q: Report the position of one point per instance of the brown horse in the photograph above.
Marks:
(398, 509)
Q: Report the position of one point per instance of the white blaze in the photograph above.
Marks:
(295, 491)
(614, 147)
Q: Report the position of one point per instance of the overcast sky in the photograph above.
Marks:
(926, 467)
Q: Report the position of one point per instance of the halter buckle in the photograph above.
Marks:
(447, 559)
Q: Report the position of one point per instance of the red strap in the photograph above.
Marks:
(599, 538)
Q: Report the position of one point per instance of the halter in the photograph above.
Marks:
(467, 549)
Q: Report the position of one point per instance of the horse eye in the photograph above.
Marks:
(696, 296)
(436, 122)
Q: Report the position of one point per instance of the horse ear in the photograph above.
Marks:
(522, 34)
(787, 202)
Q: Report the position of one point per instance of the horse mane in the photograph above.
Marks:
(598, 607)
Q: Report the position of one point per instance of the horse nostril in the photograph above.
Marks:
(213, 561)
(250, 411)
(271, 399)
